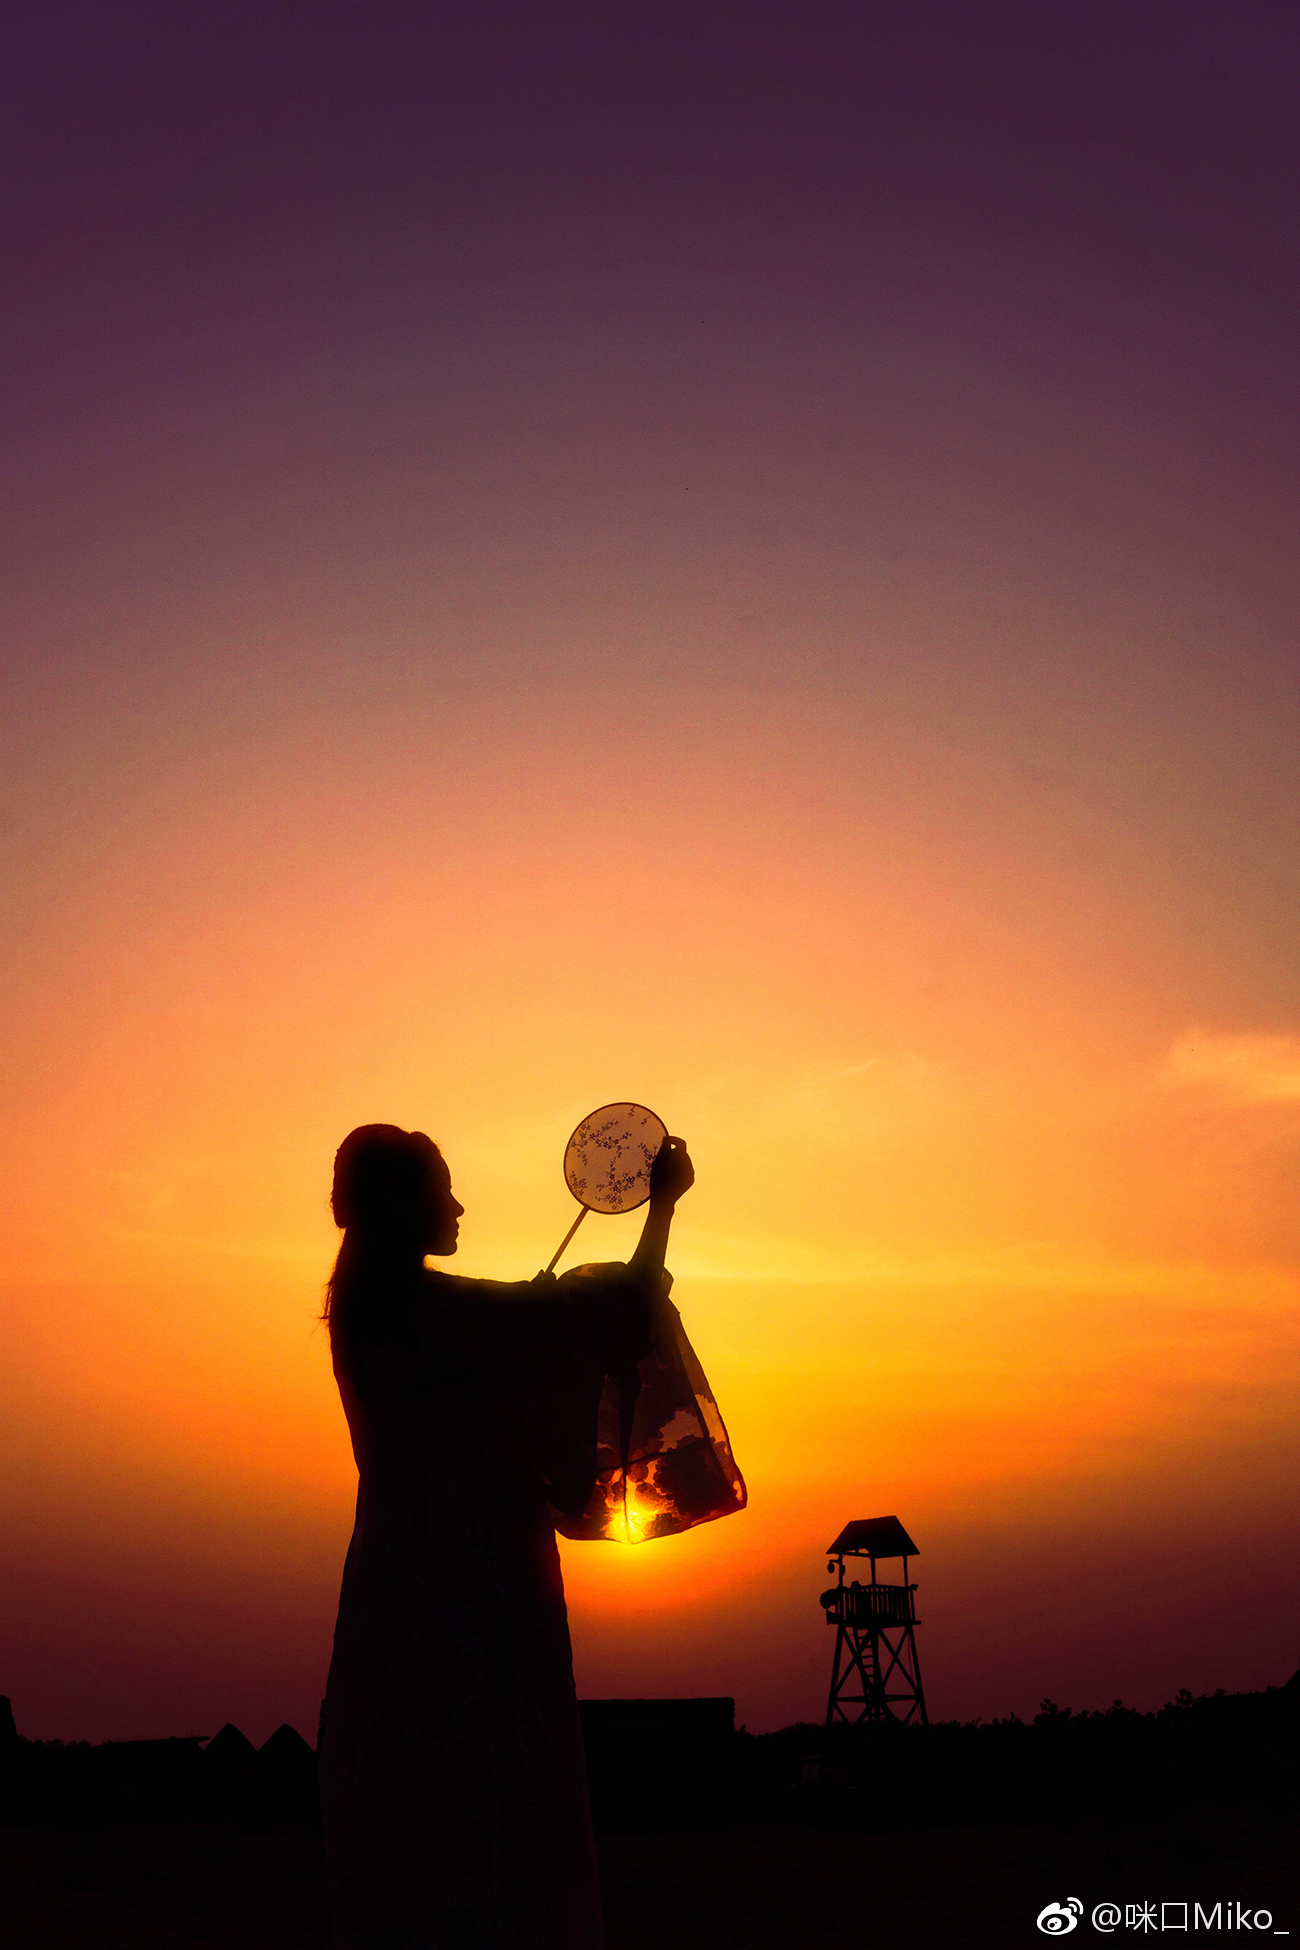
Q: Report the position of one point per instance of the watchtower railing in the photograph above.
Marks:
(863, 1605)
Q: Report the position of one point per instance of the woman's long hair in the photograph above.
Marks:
(381, 1200)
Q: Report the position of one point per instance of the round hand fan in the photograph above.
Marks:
(607, 1162)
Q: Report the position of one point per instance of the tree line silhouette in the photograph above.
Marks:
(672, 1764)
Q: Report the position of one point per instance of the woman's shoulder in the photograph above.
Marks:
(485, 1311)
(452, 1287)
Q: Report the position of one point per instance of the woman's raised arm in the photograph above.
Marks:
(671, 1174)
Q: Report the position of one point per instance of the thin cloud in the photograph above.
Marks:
(1248, 1069)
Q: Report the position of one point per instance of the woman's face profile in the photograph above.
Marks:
(442, 1210)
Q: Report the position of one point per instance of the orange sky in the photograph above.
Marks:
(856, 719)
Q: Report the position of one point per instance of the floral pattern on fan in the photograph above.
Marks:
(607, 1160)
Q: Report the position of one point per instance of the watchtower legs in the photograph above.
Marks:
(888, 1674)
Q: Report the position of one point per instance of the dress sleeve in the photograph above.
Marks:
(600, 1390)
(663, 1459)
(544, 1353)
(603, 1325)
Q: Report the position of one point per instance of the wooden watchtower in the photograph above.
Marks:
(875, 1675)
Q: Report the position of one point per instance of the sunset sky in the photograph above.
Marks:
(737, 556)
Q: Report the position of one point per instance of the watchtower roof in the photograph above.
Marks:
(873, 1537)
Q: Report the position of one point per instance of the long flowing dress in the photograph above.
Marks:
(453, 1775)
(453, 1778)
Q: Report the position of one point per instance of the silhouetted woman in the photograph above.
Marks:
(453, 1779)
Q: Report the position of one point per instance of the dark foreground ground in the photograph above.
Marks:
(713, 1839)
(162, 1886)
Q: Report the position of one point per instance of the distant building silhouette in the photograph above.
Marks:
(875, 1674)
